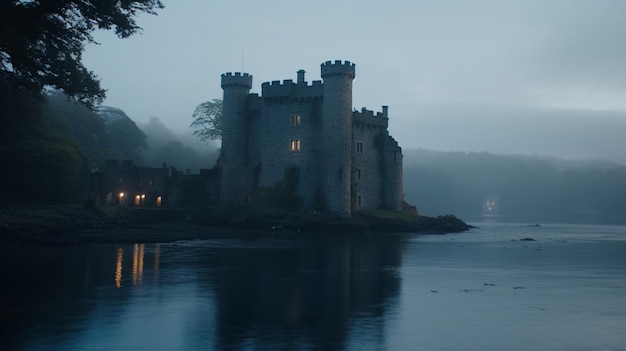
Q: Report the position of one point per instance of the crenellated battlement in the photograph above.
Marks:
(366, 116)
(338, 68)
(287, 88)
(237, 79)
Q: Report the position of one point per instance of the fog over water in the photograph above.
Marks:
(529, 77)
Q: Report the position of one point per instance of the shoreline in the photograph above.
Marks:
(67, 225)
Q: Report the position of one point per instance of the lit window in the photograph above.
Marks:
(295, 120)
(359, 147)
(294, 146)
(140, 199)
(159, 201)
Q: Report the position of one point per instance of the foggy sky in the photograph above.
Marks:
(502, 76)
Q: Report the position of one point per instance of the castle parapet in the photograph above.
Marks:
(366, 116)
(338, 68)
(290, 89)
(237, 79)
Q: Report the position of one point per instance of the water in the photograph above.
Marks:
(482, 290)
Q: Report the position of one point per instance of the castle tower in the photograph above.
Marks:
(235, 174)
(337, 135)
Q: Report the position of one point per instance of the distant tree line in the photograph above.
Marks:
(528, 189)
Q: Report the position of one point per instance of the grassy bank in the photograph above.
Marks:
(76, 225)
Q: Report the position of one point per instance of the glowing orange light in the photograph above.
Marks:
(118, 268)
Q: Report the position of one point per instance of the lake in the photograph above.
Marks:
(480, 290)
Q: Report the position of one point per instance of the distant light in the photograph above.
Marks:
(121, 194)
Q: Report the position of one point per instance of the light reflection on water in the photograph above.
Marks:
(481, 290)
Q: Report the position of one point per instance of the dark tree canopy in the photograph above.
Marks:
(207, 120)
(42, 41)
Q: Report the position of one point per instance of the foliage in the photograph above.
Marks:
(44, 169)
(179, 155)
(207, 120)
(48, 151)
(122, 133)
(108, 134)
(41, 42)
(40, 165)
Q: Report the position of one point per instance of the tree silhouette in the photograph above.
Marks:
(41, 42)
(207, 120)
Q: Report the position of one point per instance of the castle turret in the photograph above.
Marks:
(337, 134)
(235, 182)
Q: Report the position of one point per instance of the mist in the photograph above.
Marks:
(181, 150)
(521, 189)
(502, 77)
(564, 133)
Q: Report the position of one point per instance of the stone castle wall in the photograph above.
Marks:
(260, 132)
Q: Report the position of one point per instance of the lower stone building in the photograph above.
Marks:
(126, 184)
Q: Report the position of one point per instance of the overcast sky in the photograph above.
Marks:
(528, 77)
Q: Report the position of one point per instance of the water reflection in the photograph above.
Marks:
(118, 268)
(138, 264)
(238, 294)
(305, 297)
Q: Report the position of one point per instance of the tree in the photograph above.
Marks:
(40, 164)
(41, 42)
(207, 120)
(123, 133)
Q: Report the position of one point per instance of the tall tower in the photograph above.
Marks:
(337, 134)
(235, 182)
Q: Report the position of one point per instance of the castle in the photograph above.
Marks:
(343, 160)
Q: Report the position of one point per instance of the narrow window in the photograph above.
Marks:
(358, 174)
(359, 200)
(359, 147)
(294, 146)
(159, 201)
(295, 120)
